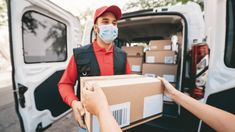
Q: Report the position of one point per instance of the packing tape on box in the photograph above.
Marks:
(150, 59)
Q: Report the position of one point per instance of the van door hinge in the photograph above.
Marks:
(22, 90)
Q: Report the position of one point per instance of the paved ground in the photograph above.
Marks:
(8, 119)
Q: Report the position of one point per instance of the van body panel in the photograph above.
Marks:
(219, 92)
(42, 36)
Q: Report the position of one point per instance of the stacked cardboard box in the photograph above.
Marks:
(133, 99)
(167, 71)
(166, 57)
(135, 63)
(161, 61)
(134, 51)
(135, 58)
(160, 45)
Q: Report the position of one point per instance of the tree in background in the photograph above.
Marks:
(3, 12)
(148, 4)
(4, 50)
(84, 16)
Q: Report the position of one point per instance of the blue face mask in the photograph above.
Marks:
(108, 33)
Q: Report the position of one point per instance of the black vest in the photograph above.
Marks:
(87, 64)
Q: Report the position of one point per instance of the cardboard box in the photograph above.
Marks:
(167, 71)
(134, 51)
(166, 57)
(133, 99)
(135, 64)
(160, 45)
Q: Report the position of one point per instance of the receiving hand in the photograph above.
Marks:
(78, 112)
(95, 101)
(169, 90)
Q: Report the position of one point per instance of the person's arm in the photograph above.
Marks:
(67, 82)
(216, 118)
(96, 103)
(66, 90)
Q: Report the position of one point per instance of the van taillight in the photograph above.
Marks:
(200, 54)
(197, 92)
(199, 66)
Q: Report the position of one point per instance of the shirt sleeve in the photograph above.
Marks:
(67, 82)
(128, 69)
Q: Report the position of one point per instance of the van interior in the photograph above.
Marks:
(139, 31)
(149, 28)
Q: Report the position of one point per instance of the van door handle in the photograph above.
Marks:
(22, 90)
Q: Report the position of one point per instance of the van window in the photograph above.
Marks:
(230, 35)
(44, 38)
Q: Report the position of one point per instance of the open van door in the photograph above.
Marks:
(220, 87)
(42, 37)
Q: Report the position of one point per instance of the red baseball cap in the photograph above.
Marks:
(113, 8)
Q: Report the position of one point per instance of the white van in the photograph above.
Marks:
(42, 36)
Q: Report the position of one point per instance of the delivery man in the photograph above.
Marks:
(100, 58)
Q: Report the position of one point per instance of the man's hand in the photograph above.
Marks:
(79, 113)
(169, 90)
(95, 101)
